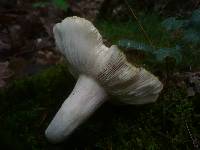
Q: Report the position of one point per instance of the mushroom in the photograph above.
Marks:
(101, 72)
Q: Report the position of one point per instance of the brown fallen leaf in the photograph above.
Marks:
(46, 57)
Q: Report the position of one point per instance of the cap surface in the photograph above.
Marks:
(82, 45)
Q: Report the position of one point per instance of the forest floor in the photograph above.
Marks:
(34, 81)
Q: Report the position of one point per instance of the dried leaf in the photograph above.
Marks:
(46, 57)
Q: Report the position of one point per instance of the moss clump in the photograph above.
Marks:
(26, 104)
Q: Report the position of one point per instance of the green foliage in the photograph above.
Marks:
(61, 4)
(173, 24)
(40, 4)
(195, 19)
(162, 53)
(159, 54)
(133, 38)
(187, 31)
(191, 36)
(128, 44)
(115, 31)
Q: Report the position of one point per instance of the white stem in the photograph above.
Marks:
(85, 98)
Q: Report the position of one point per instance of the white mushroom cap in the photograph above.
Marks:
(101, 71)
(82, 45)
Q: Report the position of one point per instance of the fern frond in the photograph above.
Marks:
(133, 45)
(191, 36)
(171, 24)
(162, 53)
(159, 54)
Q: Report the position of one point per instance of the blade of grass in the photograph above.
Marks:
(140, 25)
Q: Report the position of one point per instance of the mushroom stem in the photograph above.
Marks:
(85, 98)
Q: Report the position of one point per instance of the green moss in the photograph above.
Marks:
(28, 105)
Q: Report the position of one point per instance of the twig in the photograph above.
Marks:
(194, 140)
(140, 25)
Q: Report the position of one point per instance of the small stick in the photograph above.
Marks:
(194, 140)
(140, 25)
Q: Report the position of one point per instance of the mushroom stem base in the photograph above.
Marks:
(85, 98)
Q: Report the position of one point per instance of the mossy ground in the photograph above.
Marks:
(28, 105)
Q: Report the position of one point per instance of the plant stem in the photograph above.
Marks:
(85, 98)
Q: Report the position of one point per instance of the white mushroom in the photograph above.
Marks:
(101, 71)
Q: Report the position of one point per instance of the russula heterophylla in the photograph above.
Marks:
(101, 71)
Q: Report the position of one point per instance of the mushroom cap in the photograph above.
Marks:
(82, 45)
